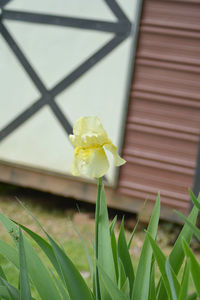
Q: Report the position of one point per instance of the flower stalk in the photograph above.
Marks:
(97, 214)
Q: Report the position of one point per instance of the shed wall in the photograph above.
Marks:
(163, 122)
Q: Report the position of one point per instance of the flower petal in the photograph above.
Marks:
(91, 162)
(75, 140)
(88, 126)
(118, 161)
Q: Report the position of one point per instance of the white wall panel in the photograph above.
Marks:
(32, 132)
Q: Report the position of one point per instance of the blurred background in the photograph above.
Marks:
(135, 64)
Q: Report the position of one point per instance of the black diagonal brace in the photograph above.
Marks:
(23, 60)
(19, 120)
(61, 117)
(87, 65)
(117, 11)
(115, 27)
(46, 96)
(4, 3)
(120, 28)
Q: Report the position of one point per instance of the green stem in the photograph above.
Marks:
(97, 286)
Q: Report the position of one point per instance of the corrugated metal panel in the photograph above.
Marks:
(163, 122)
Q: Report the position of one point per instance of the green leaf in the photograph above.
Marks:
(114, 253)
(195, 268)
(193, 228)
(25, 293)
(170, 279)
(136, 225)
(124, 255)
(177, 255)
(70, 275)
(4, 295)
(76, 285)
(61, 287)
(10, 253)
(110, 286)
(126, 288)
(112, 225)
(13, 292)
(2, 274)
(195, 200)
(152, 287)
(193, 296)
(142, 279)
(160, 258)
(38, 272)
(122, 275)
(47, 249)
(85, 248)
(105, 255)
(183, 294)
(44, 245)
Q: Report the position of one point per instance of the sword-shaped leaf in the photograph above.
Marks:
(142, 278)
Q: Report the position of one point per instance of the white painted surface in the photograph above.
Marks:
(54, 52)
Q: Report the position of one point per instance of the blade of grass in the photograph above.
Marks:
(161, 261)
(38, 272)
(114, 253)
(76, 285)
(195, 267)
(4, 294)
(110, 286)
(122, 275)
(170, 279)
(193, 296)
(25, 293)
(85, 248)
(194, 229)
(152, 288)
(183, 294)
(112, 225)
(44, 245)
(124, 255)
(61, 287)
(10, 253)
(2, 274)
(195, 200)
(136, 225)
(70, 274)
(47, 249)
(126, 288)
(177, 255)
(13, 292)
(142, 278)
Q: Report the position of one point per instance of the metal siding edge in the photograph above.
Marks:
(196, 186)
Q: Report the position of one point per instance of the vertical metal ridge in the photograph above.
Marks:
(165, 130)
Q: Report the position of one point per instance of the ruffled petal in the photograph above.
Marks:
(90, 162)
(74, 168)
(75, 140)
(90, 125)
(118, 161)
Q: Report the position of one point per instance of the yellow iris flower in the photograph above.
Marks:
(90, 141)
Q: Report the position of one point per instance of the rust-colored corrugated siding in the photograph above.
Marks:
(163, 122)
